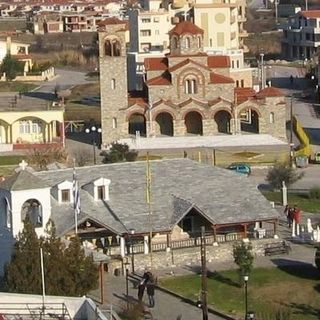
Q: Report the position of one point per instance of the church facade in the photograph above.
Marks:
(186, 92)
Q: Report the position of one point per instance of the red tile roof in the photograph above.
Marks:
(243, 94)
(156, 64)
(310, 13)
(163, 80)
(184, 63)
(218, 78)
(139, 101)
(113, 20)
(270, 92)
(218, 62)
(185, 27)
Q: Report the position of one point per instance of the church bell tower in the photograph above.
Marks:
(113, 79)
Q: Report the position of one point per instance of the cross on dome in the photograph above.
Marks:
(23, 164)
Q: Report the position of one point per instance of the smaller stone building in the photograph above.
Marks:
(115, 214)
(187, 92)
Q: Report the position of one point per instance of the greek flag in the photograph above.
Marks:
(76, 193)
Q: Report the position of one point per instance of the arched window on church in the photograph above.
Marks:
(199, 42)
(112, 48)
(190, 86)
(271, 117)
(113, 84)
(107, 48)
(32, 209)
(187, 42)
(174, 43)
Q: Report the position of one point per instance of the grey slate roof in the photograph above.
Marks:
(178, 185)
(23, 180)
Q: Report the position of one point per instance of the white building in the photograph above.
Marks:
(301, 36)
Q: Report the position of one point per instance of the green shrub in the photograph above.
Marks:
(314, 193)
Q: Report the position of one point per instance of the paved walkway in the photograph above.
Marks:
(171, 308)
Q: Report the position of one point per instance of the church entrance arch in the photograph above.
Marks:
(193, 122)
(32, 209)
(165, 122)
(137, 122)
(249, 120)
(222, 119)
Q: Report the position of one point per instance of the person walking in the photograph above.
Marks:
(150, 293)
(141, 288)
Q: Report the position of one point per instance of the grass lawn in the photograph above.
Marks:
(16, 86)
(289, 288)
(301, 200)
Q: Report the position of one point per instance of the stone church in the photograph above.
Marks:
(186, 92)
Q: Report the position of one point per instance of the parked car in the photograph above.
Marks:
(317, 157)
(242, 168)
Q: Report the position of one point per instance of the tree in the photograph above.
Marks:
(243, 257)
(82, 272)
(11, 67)
(67, 270)
(119, 153)
(282, 172)
(41, 158)
(23, 274)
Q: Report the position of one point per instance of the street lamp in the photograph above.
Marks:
(127, 282)
(262, 71)
(94, 131)
(246, 278)
(131, 233)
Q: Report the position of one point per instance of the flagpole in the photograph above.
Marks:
(148, 198)
(75, 190)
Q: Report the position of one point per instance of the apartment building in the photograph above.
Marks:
(301, 36)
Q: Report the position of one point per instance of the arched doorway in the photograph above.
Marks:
(165, 122)
(222, 119)
(32, 209)
(193, 121)
(249, 121)
(137, 122)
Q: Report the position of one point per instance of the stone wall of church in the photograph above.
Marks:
(242, 74)
(191, 256)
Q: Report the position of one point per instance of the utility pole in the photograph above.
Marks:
(43, 283)
(204, 284)
(148, 199)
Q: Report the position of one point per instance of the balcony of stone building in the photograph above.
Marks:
(243, 33)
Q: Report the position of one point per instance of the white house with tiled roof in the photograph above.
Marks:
(187, 92)
(301, 36)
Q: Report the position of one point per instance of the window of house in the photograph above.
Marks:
(114, 123)
(174, 43)
(24, 126)
(65, 195)
(237, 83)
(36, 127)
(232, 64)
(145, 33)
(156, 19)
(145, 20)
(145, 47)
(113, 84)
(210, 41)
(242, 83)
(271, 117)
(101, 192)
(238, 64)
(199, 42)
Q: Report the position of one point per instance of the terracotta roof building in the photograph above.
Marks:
(188, 93)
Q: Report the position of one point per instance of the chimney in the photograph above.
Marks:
(8, 45)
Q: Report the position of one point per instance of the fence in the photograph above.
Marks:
(196, 241)
(223, 157)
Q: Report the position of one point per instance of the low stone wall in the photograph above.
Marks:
(190, 256)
